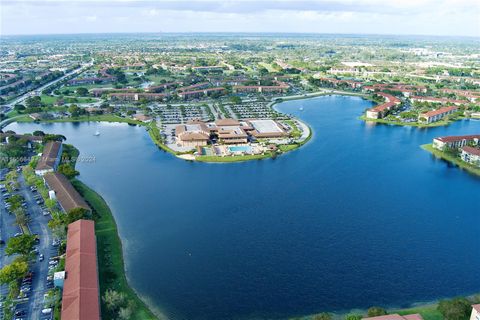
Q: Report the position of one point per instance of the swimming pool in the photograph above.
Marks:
(247, 149)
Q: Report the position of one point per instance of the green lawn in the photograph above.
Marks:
(428, 312)
(50, 100)
(110, 255)
(101, 117)
(234, 158)
(411, 124)
(457, 161)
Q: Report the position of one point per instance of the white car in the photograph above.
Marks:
(47, 311)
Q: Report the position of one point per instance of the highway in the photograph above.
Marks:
(9, 106)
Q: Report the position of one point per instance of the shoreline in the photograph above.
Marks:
(452, 160)
(109, 244)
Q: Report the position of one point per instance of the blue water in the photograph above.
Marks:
(359, 216)
(240, 148)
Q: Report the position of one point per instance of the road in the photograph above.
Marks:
(37, 225)
(8, 107)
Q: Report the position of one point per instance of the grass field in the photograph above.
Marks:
(98, 118)
(457, 161)
(110, 254)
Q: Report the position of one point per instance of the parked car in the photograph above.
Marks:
(47, 311)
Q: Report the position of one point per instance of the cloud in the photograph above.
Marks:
(437, 17)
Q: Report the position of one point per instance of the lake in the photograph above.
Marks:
(359, 216)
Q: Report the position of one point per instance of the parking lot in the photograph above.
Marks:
(31, 303)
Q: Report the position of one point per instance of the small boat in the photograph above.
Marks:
(301, 109)
(97, 133)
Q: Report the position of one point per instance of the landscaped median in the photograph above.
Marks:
(451, 158)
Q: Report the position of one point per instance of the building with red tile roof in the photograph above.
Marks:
(436, 115)
(80, 298)
(438, 100)
(396, 316)
(380, 111)
(455, 142)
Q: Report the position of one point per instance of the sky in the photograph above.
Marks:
(411, 17)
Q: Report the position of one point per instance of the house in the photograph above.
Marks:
(80, 297)
(50, 158)
(30, 139)
(63, 191)
(383, 109)
(455, 142)
(143, 118)
(192, 134)
(475, 312)
(436, 115)
(396, 316)
(471, 155)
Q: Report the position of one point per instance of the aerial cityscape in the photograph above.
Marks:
(307, 160)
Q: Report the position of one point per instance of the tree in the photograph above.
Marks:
(125, 313)
(82, 91)
(376, 311)
(236, 100)
(19, 108)
(67, 170)
(34, 102)
(38, 133)
(322, 316)
(21, 217)
(114, 300)
(353, 316)
(455, 309)
(20, 245)
(77, 214)
(13, 271)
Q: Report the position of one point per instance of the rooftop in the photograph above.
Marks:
(81, 290)
(65, 193)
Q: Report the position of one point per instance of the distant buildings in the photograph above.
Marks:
(81, 294)
(200, 93)
(280, 87)
(436, 115)
(383, 109)
(438, 100)
(50, 158)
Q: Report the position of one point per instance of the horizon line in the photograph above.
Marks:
(241, 32)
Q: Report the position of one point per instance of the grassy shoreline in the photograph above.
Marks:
(411, 124)
(111, 266)
(456, 161)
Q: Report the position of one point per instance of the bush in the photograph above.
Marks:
(376, 311)
(455, 309)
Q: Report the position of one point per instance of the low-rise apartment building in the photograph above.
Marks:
(436, 115)
(50, 158)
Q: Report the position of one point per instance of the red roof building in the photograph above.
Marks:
(396, 316)
(80, 300)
